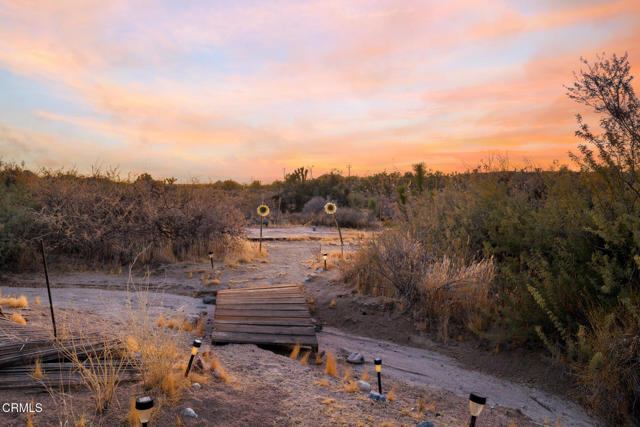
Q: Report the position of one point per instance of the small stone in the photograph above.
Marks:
(356, 358)
(209, 300)
(308, 279)
(364, 386)
(197, 386)
(188, 412)
(377, 396)
(425, 424)
(216, 373)
(313, 228)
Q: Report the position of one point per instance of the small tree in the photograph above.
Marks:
(605, 86)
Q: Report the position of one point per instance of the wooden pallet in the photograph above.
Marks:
(271, 315)
(22, 345)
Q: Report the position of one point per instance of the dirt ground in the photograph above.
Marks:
(272, 389)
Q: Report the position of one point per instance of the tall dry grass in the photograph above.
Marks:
(441, 292)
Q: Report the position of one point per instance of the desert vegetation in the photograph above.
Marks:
(104, 219)
(542, 258)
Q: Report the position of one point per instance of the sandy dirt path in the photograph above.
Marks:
(424, 367)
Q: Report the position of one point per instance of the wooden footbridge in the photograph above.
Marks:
(275, 315)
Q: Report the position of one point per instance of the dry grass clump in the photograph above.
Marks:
(20, 302)
(241, 251)
(350, 386)
(305, 358)
(17, 318)
(222, 372)
(392, 394)
(347, 374)
(324, 382)
(212, 282)
(332, 365)
(132, 416)
(160, 322)
(37, 301)
(100, 368)
(37, 370)
(295, 352)
(199, 328)
(440, 291)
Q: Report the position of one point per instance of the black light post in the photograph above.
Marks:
(476, 405)
(324, 256)
(211, 258)
(378, 363)
(144, 405)
(196, 345)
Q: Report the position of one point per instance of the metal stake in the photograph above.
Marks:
(46, 276)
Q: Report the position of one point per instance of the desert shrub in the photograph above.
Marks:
(313, 214)
(16, 214)
(103, 219)
(440, 291)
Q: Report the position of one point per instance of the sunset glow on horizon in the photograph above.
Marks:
(243, 90)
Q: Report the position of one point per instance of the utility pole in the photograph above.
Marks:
(349, 168)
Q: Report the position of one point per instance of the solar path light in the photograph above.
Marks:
(196, 345)
(144, 405)
(324, 257)
(378, 363)
(211, 258)
(476, 405)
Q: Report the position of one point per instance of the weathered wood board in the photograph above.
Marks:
(271, 315)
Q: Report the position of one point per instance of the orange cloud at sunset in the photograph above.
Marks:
(244, 90)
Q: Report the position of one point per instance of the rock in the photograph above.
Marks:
(319, 270)
(356, 358)
(313, 228)
(308, 279)
(364, 386)
(318, 327)
(197, 386)
(188, 412)
(209, 300)
(216, 373)
(425, 424)
(377, 397)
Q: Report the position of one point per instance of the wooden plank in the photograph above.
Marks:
(277, 286)
(262, 295)
(263, 321)
(299, 301)
(238, 337)
(264, 289)
(267, 329)
(260, 313)
(259, 307)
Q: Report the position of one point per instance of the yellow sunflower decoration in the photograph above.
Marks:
(263, 210)
(330, 208)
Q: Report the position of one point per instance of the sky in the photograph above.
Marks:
(245, 90)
